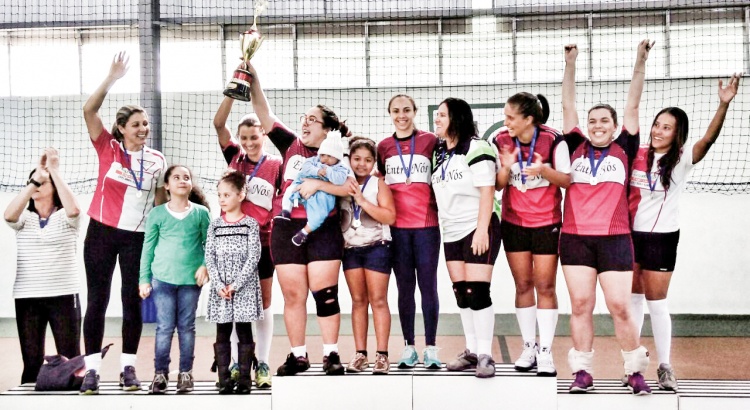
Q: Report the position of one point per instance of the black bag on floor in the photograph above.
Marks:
(61, 374)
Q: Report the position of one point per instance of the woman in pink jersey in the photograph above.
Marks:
(535, 164)
(659, 174)
(313, 266)
(263, 173)
(129, 184)
(404, 159)
(595, 243)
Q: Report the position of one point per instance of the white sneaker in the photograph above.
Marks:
(527, 361)
(545, 366)
(667, 379)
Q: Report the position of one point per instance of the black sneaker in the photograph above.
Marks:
(128, 381)
(185, 382)
(285, 215)
(332, 364)
(90, 383)
(160, 383)
(299, 238)
(293, 365)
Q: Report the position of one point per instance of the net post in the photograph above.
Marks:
(149, 34)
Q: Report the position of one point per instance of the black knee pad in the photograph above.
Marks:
(459, 291)
(327, 301)
(479, 295)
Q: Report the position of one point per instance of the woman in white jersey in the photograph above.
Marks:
(659, 174)
(129, 184)
(463, 178)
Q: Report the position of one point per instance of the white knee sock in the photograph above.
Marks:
(661, 326)
(467, 320)
(547, 319)
(233, 341)
(484, 324)
(636, 308)
(527, 323)
(126, 359)
(578, 360)
(264, 331)
(93, 362)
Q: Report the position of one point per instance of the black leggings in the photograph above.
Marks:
(63, 313)
(101, 249)
(244, 332)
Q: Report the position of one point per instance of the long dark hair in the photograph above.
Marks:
(196, 193)
(461, 118)
(55, 197)
(332, 122)
(669, 161)
(532, 105)
(122, 117)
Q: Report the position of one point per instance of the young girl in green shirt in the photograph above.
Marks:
(173, 270)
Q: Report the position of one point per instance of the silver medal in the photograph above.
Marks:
(593, 181)
(356, 223)
(442, 183)
(523, 188)
(138, 194)
(408, 180)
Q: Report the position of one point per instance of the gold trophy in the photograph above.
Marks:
(250, 41)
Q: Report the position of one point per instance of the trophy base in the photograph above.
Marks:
(239, 86)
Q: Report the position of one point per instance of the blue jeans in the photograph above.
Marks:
(175, 307)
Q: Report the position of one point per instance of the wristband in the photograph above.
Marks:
(33, 181)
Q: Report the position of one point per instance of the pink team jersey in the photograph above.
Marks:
(540, 204)
(116, 202)
(415, 202)
(657, 210)
(294, 154)
(599, 208)
(261, 189)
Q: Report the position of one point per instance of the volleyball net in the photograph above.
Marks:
(353, 55)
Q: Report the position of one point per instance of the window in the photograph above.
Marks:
(331, 55)
(99, 48)
(404, 54)
(478, 50)
(44, 62)
(191, 59)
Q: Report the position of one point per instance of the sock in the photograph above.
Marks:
(636, 307)
(93, 361)
(484, 323)
(233, 341)
(328, 349)
(383, 353)
(364, 352)
(527, 323)
(467, 320)
(661, 326)
(635, 361)
(299, 351)
(264, 330)
(547, 319)
(126, 359)
(578, 360)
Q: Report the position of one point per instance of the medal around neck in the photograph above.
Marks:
(593, 180)
(356, 223)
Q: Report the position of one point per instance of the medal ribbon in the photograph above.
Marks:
(255, 170)
(138, 181)
(530, 159)
(445, 164)
(356, 209)
(595, 164)
(407, 172)
(652, 186)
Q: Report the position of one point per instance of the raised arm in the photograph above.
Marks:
(91, 109)
(220, 122)
(570, 115)
(68, 199)
(18, 203)
(631, 121)
(726, 94)
(260, 104)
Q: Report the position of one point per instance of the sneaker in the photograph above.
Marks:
(90, 383)
(466, 360)
(582, 383)
(185, 382)
(545, 366)
(431, 360)
(667, 379)
(234, 372)
(262, 376)
(293, 365)
(382, 365)
(409, 358)
(128, 381)
(332, 364)
(637, 384)
(485, 366)
(160, 383)
(527, 361)
(358, 363)
(299, 238)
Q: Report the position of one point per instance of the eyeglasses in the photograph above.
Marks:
(309, 120)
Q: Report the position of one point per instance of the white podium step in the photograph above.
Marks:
(612, 395)
(111, 397)
(717, 394)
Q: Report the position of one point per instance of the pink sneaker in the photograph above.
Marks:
(583, 382)
(637, 384)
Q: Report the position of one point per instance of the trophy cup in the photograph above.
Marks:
(250, 41)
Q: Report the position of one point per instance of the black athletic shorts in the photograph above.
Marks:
(265, 265)
(323, 244)
(601, 252)
(460, 250)
(543, 240)
(656, 251)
